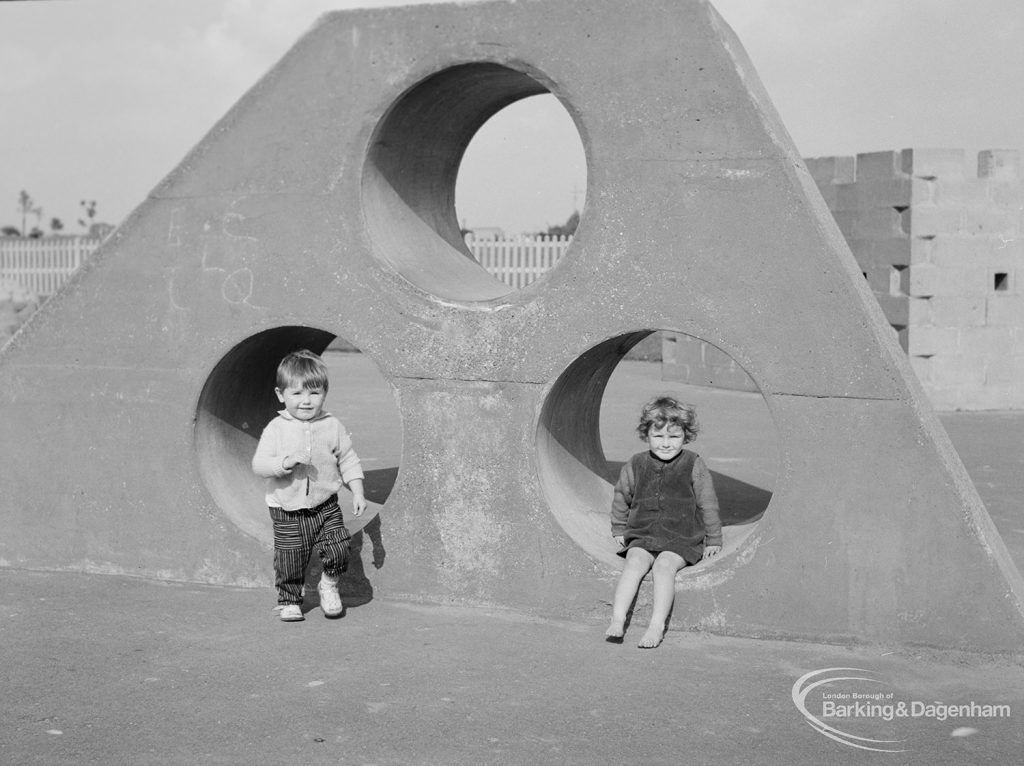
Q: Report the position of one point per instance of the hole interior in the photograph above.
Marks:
(1000, 281)
(586, 432)
(408, 182)
(238, 401)
(523, 174)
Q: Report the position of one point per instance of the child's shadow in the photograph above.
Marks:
(355, 587)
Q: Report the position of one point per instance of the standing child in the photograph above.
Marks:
(664, 514)
(306, 455)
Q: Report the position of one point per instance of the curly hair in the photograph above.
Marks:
(302, 369)
(667, 411)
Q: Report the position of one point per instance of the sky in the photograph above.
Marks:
(100, 99)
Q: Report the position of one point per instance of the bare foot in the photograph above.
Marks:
(651, 638)
(615, 632)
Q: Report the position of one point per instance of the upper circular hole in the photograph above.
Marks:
(412, 167)
(587, 431)
(521, 186)
(238, 401)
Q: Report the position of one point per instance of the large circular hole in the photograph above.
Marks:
(238, 400)
(521, 186)
(587, 431)
(409, 180)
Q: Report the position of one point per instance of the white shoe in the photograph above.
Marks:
(290, 613)
(330, 601)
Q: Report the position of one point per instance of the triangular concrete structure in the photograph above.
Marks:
(321, 205)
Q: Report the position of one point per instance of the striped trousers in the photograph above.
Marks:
(297, 534)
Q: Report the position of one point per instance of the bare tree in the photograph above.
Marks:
(27, 206)
(89, 207)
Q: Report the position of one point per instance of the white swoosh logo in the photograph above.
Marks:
(804, 685)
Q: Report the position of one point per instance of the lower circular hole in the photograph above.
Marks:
(238, 401)
(587, 431)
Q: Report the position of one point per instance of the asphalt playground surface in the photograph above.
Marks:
(112, 670)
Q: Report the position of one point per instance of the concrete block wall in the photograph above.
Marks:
(943, 251)
(942, 248)
(697, 362)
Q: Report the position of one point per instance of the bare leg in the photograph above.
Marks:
(665, 567)
(638, 564)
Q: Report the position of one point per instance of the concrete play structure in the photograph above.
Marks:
(321, 206)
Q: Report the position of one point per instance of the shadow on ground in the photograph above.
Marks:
(355, 587)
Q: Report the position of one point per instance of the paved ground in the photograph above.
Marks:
(991, 445)
(112, 670)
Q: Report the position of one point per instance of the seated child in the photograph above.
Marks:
(664, 514)
(306, 455)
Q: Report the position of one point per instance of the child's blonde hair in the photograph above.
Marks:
(303, 369)
(667, 411)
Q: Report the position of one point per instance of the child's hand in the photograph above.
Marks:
(358, 498)
(711, 550)
(620, 539)
(296, 458)
(358, 504)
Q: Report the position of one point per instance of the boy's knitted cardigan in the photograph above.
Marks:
(333, 463)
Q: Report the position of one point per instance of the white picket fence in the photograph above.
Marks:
(42, 265)
(519, 260)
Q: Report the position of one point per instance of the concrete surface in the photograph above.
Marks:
(991, 445)
(738, 439)
(321, 205)
(112, 670)
(116, 670)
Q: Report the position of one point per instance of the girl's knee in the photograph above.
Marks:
(638, 558)
(668, 563)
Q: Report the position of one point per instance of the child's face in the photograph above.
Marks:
(302, 402)
(665, 442)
